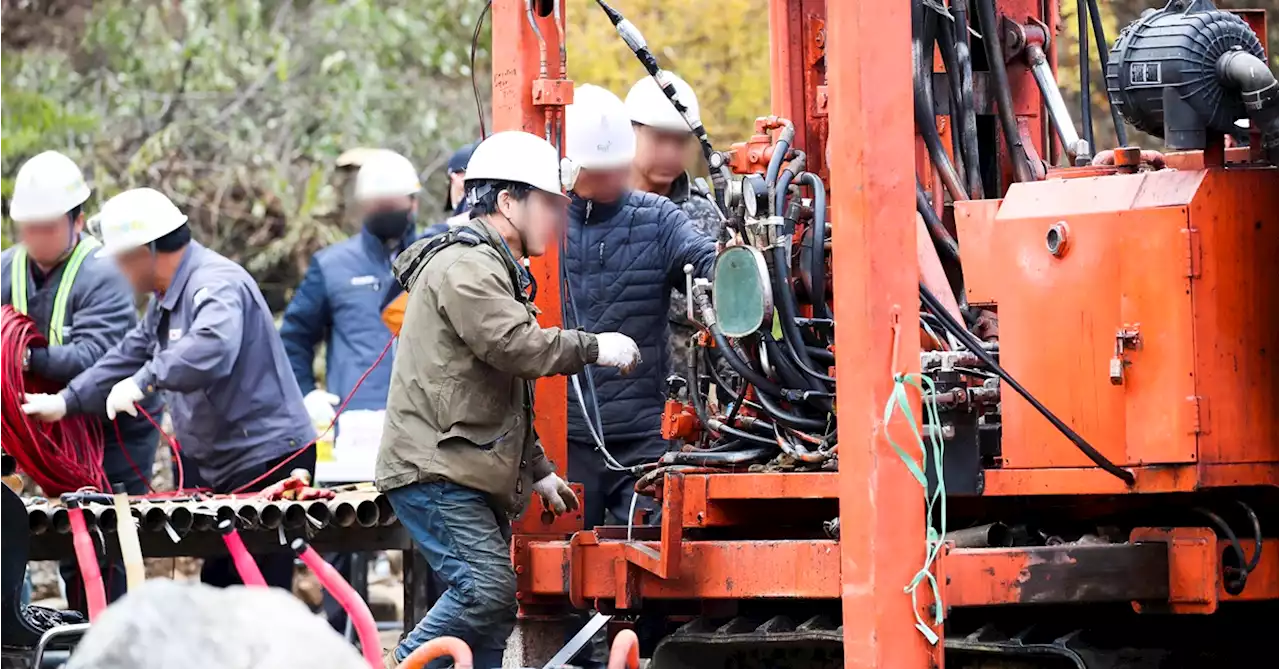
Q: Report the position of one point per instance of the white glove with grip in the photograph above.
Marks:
(48, 408)
(617, 350)
(122, 397)
(556, 494)
(320, 406)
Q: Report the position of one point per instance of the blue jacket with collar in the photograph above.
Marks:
(340, 302)
(210, 345)
(622, 260)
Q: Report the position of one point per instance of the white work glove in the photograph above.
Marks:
(47, 408)
(617, 350)
(320, 406)
(555, 493)
(122, 397)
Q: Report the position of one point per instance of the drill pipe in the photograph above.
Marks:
(180, 517)
(203, 519)
(367, 513)
(295, 515)
(248, 515)
(386, 515)
(991, 535)
(318, 513)
(101, 516)
(60, 521)
(270, 515)
(38, 519)
(343, 512)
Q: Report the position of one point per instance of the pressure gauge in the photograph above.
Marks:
(755, 195)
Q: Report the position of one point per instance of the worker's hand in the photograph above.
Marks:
(122, 399)
(555, 493)
(320, 406)
(617, 350)
(47, 408)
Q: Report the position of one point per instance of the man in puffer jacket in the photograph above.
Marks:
(624, 253)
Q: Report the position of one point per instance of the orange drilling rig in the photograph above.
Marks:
(1053, 366)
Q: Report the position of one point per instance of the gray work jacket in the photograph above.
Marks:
(99, 312)
(211, 346)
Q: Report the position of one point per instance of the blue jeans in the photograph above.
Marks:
(466, 541)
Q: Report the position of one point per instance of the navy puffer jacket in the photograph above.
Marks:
(622, 261)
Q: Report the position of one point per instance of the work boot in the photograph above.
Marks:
(389, 660)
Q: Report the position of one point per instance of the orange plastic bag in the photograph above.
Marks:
(393, 314)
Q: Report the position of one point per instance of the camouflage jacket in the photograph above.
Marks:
(702, 212)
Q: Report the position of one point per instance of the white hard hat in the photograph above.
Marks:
(648, 105)
(48, 186)
(518, 157)
(598, 132)
(136, 218)
(385, 173)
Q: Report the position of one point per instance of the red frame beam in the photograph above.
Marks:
(877, 305)
(516, 58)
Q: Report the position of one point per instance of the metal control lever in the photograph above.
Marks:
(578, 642)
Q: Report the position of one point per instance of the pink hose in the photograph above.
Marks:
(87, 560)
(357, 610)
(250, 575)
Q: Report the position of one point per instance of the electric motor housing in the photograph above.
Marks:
(1169, 58)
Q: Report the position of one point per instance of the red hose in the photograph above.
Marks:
(250, 575)
(439, 647)
(357, 610)
(625, 651)
(87, 560)
(63, 456)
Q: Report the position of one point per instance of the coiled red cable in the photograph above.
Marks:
(62, 456)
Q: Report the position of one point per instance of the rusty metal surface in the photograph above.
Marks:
(1067, 574)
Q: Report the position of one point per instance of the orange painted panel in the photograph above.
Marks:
(1059, 319)
(1234, 298)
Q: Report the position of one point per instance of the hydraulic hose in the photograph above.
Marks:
(946, 41)
(635, 41)
(817, 247)
(1086, 104)
(780, 149)
(1004, 94)
(740, 366)
(960, 332)
(725, 459)
(969, 116)
(922, 98)
(357, 611)
(784, 296)
(245, 565)
(87, 561)
(942, 239)
(1100, 37)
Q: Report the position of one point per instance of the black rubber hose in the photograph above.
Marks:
(821, 355)
(785, 417)
(1100, 37)
(748, 374)
(942, 239)
(950, 62)
(724, 459)
(1257, 536)
(1236, 586)
(1086, 103)
(969, 119)
(927, 126)
(1004, 96)
(693, 384)
(971, 342)
(785, 299)
(1257, 85)
(817, 246)
(780, 199)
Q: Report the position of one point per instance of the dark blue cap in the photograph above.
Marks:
(458, 161)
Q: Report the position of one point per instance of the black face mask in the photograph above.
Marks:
(389, 225)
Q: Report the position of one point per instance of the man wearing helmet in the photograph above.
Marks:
(208, 343)
(664, 143)
(624, 253)
(341, 297)
(83, 306)
(459, 455)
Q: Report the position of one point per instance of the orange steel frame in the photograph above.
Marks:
(867, 79)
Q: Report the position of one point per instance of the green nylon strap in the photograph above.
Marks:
(18, 276)
(18, 279)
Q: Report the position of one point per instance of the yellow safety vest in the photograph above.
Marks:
(18, 279)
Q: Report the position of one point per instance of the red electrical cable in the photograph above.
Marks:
(62, 456)
(173, 442)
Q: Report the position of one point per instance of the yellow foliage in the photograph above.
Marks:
(721, 47)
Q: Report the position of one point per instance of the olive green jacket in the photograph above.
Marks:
(460, 403)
